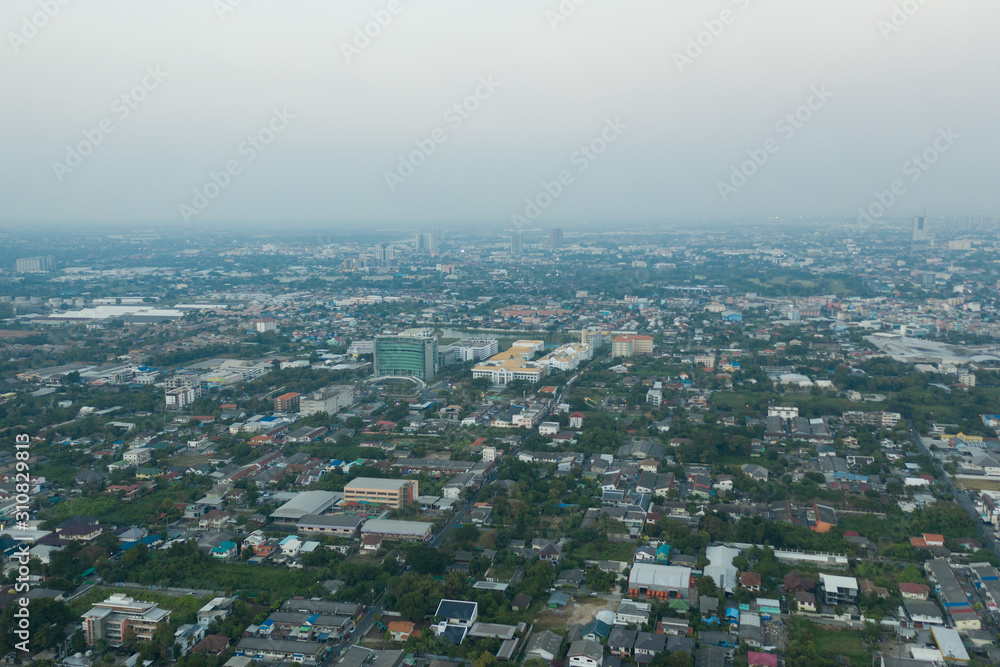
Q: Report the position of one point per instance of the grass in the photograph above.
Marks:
(979, 485)
(189, 460)
(840, 642)
(139, 511)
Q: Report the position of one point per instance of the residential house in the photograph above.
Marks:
(585, 653)
(545, 645)
(621, 641)
(400, 631)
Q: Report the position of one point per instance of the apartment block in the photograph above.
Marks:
(631, 346)
(330, 400)
(119, 616)
(287, 402)
(394, 493)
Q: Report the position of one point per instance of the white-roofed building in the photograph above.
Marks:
(721, 567)
(307, 502)
(838, 590)
(659, 581)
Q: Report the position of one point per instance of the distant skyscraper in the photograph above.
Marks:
(919, 229)
(555, 238)
(385, 253)
(427, 242)
(516, 244)
(35, 264)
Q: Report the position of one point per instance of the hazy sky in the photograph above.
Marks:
(198, 81)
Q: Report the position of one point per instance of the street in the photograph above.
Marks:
(962, 498)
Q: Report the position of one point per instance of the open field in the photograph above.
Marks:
(16, 333)
(978, 484)
(830, 641)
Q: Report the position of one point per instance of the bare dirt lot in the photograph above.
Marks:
(575, 612)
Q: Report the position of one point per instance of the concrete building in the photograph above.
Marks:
(567, 357)
(473, 349)
(631, 345)
(288, 402)
(180, 398)
(265, 325)
(394, 493)
(837, 590)
(334, 525)
(119, 616)
(406, 356)
(138, 456)
(35, 264)
(330, 400)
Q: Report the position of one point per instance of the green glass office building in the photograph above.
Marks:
(409, 356)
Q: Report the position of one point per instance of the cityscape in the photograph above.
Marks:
(580, 445)
(541, 333)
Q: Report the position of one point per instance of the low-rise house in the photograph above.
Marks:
(400, 631)
(621, 641)
(751, 581)
(585, 653)
(647, 646)
(805, 601)
(923, 612)
(225, 551)
(281, 650)
(909, 591)
(545, 645)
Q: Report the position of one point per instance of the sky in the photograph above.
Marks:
(495, 114)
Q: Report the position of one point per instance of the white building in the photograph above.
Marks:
(548, 428)
(567, 357)
(330, 400)
(137, 457)
(177, 399)
(473, 349)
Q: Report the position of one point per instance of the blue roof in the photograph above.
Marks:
(561, 599)
(599, 628)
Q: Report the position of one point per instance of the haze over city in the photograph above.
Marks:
(697, 89)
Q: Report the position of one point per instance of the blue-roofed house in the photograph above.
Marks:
(596, 631)
(225, 551)
(663, 553)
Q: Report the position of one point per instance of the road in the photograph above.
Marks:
(962, 498)
(455, 520)
(362, 628)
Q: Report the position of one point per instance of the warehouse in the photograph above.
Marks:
(659, 581)
(392, 529)
(307, 502)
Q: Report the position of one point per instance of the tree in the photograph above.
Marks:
(706, 586)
